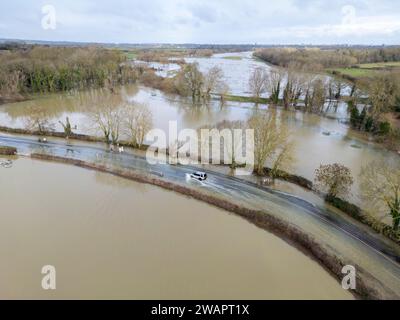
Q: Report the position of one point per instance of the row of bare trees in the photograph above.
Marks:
(109, 113)
(272, 142)
(190, 81)
(292, 86)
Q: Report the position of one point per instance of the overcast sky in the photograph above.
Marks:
(204, 21)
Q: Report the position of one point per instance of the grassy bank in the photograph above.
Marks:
(356, 213)
(365, 70)
(7, 151)
(346, 207)
(367, 286)
(55, 134)
(228, 97)
(292, 178)
(352, 74)
(233, 58)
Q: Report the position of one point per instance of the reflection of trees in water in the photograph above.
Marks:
(56, 105)
(207, 112)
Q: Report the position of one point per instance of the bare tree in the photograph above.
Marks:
(315, 95)
(39, 120)
(333, 179)
(338, 86)
(231, 144)
(380, 188)
(269, 136)
(283, 159)
(138, 120)
(190, 81)
(258, 82)
(214, 81)
(106, 114)
(293, 89)
(274, 85)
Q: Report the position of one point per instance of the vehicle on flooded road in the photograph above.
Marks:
(201, 176)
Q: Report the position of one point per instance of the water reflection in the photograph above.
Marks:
(317, 139)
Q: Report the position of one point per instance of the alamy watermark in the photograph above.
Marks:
(204, 146)
(49, 279)
(49, 19)
(349, 280)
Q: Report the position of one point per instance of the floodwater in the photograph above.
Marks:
(318, 140)
(108, 238)
(237, 68)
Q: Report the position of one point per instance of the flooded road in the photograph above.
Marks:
(377, 257)
(108, 238)
(317, 140)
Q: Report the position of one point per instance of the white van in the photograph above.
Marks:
(201, 176)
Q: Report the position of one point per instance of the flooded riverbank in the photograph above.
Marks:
(317, 140)
(113, 243)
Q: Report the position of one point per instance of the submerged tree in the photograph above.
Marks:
(283, 160)
(138, 120)
(294, 87)
(67, 127)
(333, 179)
(380, 187)
(190, 82)
(270, 138)
(214, 82)
(39, 120)
(258, 82)
(106, 114)
(315, 96)
(274, 85)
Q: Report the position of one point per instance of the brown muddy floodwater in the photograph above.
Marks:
(113, 238)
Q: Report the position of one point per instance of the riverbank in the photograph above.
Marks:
(367, 286)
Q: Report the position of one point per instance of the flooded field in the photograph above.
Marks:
(107, 238)
(317, 140)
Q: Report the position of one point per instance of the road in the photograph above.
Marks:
(378, 257)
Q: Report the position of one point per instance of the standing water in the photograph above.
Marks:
(107, 238)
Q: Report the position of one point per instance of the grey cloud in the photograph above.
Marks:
(205, 21)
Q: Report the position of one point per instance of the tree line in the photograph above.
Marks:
(189, 82)
(370, 101)
(41, 69)
(319, 59)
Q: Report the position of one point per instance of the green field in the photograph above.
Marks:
(233, 58)
(130, 55)
(365, 70)
(381, 65)
(354, 72)
(234, 98)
